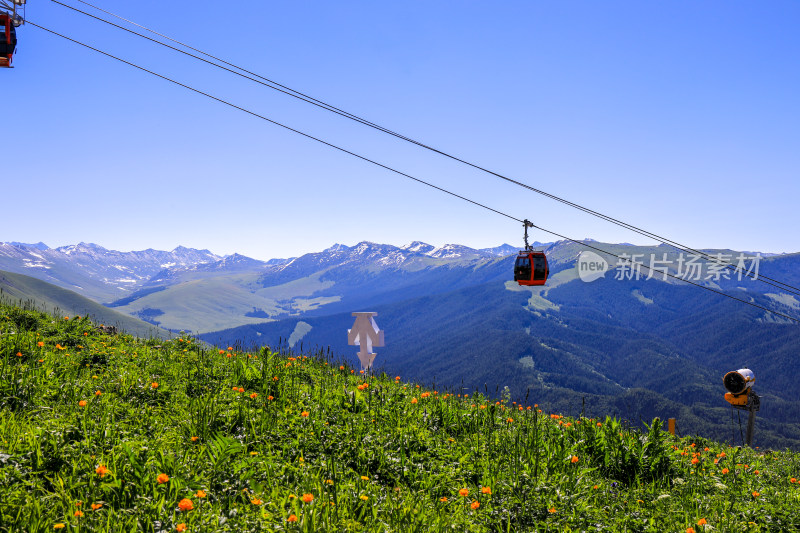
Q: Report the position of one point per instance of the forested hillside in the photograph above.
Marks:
(637, 349)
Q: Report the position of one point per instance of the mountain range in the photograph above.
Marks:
(638, 345)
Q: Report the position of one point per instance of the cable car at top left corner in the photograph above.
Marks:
(10, 20)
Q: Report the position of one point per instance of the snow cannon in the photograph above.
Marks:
(739, 384)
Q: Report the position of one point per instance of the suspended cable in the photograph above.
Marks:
(418, 180)
(270, 120)
(319, 103)
(623, 258)
(269, 83)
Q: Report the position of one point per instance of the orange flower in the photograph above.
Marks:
(702, 521)
(154, 385)
(59, 526)
(162, 478)
(725, 470)
(200, 494)
(96, 506)
(307, 498)
(195, 439)
(97, 393)
(254, 395)
(414, 400)
(695, 461)
(474, 505)
(551, 510)
(689, 530)
(256, 501)
(180, 527)
(102, 470)
(574, 459)
(793, 480)
(40, 344)
(270, 397)
(292, 518)
(185, 504)
(304, 414)
(82, 403)
(241, 390)
(78, 513)
(486, 490)
(756, 494)
(463, 493)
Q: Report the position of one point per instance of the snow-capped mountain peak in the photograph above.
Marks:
(419, 247)
(452, 251)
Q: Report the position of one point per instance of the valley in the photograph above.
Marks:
(634, 348)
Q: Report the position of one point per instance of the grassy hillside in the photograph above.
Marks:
(51, 298)
(102, 433)
(594, 348)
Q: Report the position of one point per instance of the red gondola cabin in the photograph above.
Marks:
(531, 268)
(8, 39)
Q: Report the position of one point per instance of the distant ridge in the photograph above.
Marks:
(38, 246)
(15, 288)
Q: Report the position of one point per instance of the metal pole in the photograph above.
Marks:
(751, 420)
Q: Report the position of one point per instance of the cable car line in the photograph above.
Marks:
(710, 289)
(418, 180)
(321, 104)
(272, 84)
(262, 117)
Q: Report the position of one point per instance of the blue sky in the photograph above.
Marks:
(680, 117)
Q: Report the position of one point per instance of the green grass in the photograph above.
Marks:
(48, 297)
(243, 437)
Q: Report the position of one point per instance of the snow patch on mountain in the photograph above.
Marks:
(452, 251)
(419, 247)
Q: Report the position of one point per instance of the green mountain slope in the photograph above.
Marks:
(50, 298)
(637, 349)
(117, 434)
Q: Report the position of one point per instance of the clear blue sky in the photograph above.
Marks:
(682, 117)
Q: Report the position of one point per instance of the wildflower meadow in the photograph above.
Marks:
(114, 433)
